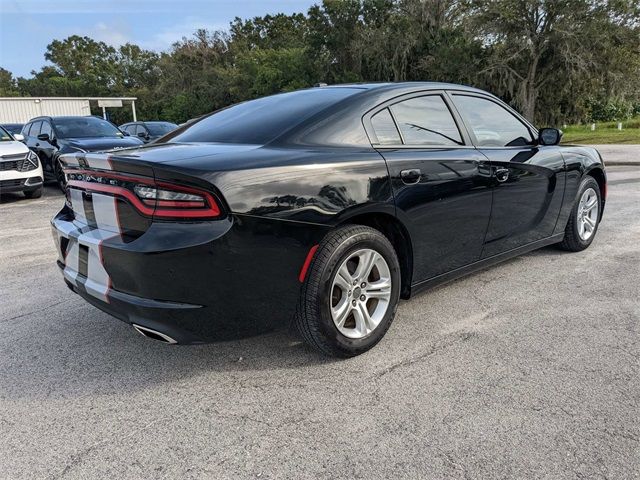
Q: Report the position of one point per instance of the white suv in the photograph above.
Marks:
(20, 169)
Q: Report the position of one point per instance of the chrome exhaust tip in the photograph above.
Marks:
(153, 334)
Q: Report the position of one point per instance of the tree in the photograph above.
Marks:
(535, 43)
(557, 61)
(8, 85)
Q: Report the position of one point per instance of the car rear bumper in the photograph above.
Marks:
(194, 282)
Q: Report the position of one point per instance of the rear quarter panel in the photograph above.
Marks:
(280, 203)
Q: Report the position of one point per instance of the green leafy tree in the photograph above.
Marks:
(8, 84)
(534, 44)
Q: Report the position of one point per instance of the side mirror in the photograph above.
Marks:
(43, 137)
(549, 136)
(19, 137)
(143, 135)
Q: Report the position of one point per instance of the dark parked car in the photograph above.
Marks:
(322, 206)
(148, 131)
(12, 128)
(51, 137)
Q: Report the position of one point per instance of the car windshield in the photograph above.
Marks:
(262, 120)
(13, 127)
(160, 128)
(84, 127)
(5, 136)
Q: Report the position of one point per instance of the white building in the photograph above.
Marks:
(23, 109)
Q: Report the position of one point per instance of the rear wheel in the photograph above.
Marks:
(351, 292)
(585, 217)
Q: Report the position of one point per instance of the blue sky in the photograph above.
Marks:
(27, 26)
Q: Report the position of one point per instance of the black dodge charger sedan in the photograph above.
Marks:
(320, 209)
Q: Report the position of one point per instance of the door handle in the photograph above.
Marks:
(411, 176)
(502, 174)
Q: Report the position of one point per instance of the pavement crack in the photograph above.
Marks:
(79, 457)
(459, 337)
(33, 311)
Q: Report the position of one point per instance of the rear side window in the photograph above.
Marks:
(492, 124)
(385, 128)
(426, 121)
(25, 129)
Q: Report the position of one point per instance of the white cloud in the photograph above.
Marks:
(114, 34)
(167, 37)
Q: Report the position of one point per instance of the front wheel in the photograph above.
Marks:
(60, 177)
(351, 292)
(585, 217)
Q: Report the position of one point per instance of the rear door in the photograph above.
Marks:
(528, 183)
(441, 184)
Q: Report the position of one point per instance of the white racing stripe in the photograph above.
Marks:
(70, 160)
(97, 281)
(102, 162)
(106, 213)
(77, 204)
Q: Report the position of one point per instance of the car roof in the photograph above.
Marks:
(404, 85)
(341, 123)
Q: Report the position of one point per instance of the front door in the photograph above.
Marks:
(441, 184)
(528, 183)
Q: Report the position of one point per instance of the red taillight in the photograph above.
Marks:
(150, 198)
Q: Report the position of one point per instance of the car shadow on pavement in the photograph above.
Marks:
(15, 197)
(78, 351)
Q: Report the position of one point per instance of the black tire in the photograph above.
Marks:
(313, 316)
(572, 241)
(59, 174)
(33, 193)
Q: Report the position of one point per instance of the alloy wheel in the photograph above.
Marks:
(588, 210)
(360, 293)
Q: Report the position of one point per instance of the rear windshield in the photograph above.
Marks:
(262, 120)
(13, 127)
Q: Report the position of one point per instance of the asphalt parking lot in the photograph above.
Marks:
(529, 369)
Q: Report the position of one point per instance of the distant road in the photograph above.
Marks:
(619, 154)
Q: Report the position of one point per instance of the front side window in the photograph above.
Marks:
(492, 124)
(426, 121)
(46, 128)
(35, 129)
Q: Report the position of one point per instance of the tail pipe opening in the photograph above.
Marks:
(153, 334)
